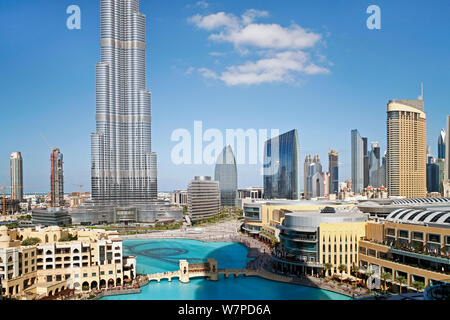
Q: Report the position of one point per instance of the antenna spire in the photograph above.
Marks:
(421, 96)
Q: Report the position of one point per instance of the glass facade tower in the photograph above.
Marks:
(123, 169)
(282, 167)
(357, 162)
(226, 175)
(441, 144)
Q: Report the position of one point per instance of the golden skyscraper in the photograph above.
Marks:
(406, 148)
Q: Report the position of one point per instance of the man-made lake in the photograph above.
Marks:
(163, 255)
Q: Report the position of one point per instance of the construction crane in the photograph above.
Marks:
(3, 186)
(81, 187)
(12, 192)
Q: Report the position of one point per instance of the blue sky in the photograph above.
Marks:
(47, 77)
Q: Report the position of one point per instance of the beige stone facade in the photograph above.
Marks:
(93, 261)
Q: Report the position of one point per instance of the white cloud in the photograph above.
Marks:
(214, 21)
(269, 36)
(282, 49)
(202, 4)
(279, 68)
(189, 71)
(207, 73)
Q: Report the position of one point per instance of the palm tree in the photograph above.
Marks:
(401, 280)
(355, 270)
(342, 268)
(418, 285)
(386, 276)
(327, 266)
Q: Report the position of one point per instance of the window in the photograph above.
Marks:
(417, 235)
(77, 276)
(49, 278)
(434, 238)
(403, 234)
(372, 253)
(85, 275)
(110, 272)
(118, 271)
(390, 232)
(102, 273)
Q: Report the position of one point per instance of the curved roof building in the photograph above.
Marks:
(226, 175)
(419, 216)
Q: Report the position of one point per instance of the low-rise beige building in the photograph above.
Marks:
(93, 261)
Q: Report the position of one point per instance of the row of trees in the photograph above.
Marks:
(385, 276)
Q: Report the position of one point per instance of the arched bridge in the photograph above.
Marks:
(208, 270)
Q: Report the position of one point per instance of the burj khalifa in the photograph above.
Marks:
(123, 168)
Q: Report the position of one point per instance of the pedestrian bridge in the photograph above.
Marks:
(208, 270)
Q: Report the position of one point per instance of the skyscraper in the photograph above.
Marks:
(366, 162)
(374, 166)
(226, 175)
(406, 148)
(441, 144)
(56, 179)
(333, 169)
(447, 151)
(432, 175)
(315, 179)
(446, 184)
(16, 172)
(357, 159)
(282, 167)
(124, 169)
(383, 170)
(308, 161)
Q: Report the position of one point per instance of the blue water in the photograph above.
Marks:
(164, 255)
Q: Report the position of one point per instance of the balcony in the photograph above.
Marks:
(412, 257)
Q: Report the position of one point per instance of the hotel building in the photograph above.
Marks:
(406, 148)
(226, 175)
(203, 198)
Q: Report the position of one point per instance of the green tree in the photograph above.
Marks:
(401, 280)
(355, 270)
(386, 276)
(342, 268)
(327, 266)
(418, 285)
(68, 238)
(30, 241)
(185, 210)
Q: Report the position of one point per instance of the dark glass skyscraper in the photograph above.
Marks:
(282, 167)
(333, 168)
(226, 175)
(123, 164)
(441, 144)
